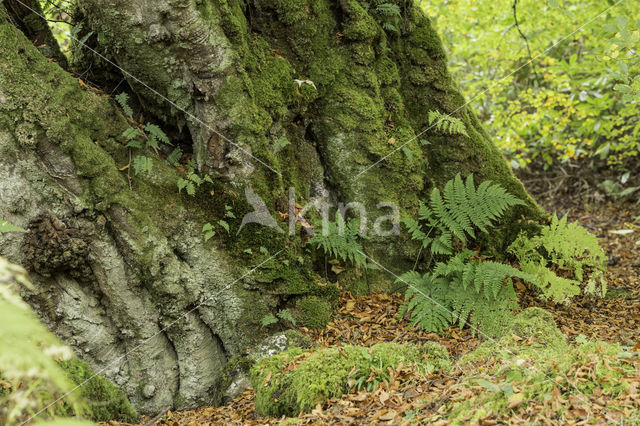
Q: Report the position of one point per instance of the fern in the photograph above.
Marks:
(457, 211)
(426, 299)
(446, 123)
(142, 164)
(268, 320)
(388, 9)
(340, 240)
(562, 246)
(463, 288)
(283, 314)
(439, 300)
(123, 101)
(387, 13)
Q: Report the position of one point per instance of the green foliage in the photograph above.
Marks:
(142, 164)
(286, 315)
(268, 320)
(340, 240)
(29, 372)
(174, 157)
(7, 227)
(564, 247)
(143, 138)
(447, 124)
(283, 314)
(464, 288)
(123, 101)
(279, 144)
(387, 13)
(208, 231)
(456, 211)
(286, 389)
(192, 182)
(224, 224)
(577, 99)
(460, 291)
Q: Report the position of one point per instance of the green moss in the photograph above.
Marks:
(534, 356)
(297, 339)
(313, 312)
(105, 401)
(534, 325)
(326, 374)
(359, 25)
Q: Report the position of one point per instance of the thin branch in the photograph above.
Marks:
(524, 37)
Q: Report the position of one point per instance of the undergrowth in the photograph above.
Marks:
(464, 287)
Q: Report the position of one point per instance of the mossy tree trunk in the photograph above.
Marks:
(118, 266)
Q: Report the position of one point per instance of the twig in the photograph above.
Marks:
(526, 41)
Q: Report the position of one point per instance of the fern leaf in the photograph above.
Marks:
(445, 217)
(123, 100)
(388, 9)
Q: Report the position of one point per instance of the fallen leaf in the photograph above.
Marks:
(515, 400)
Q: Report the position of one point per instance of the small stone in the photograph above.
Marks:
(148, 391)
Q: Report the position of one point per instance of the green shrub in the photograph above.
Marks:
(577, 99)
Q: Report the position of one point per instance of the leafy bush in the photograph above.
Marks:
(578, 99)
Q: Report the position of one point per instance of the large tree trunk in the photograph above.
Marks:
(116, 266)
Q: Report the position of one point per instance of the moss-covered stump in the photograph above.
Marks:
(295, 381)
(533, 362)
(104, 400)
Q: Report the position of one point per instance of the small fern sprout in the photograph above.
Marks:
(446, 123)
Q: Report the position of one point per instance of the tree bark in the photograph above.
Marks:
(117, 268)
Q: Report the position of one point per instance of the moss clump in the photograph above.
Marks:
(534, 326)
(105, 401)
(284, 388)
(313, 312)
(533, 360)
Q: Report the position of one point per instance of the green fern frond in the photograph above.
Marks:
(562, 245)
(388, 9)
(123, 101)
(446, 123)
(340, 241)
(457, 210)
(426, 301)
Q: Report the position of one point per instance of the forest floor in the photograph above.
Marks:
(373, 319)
